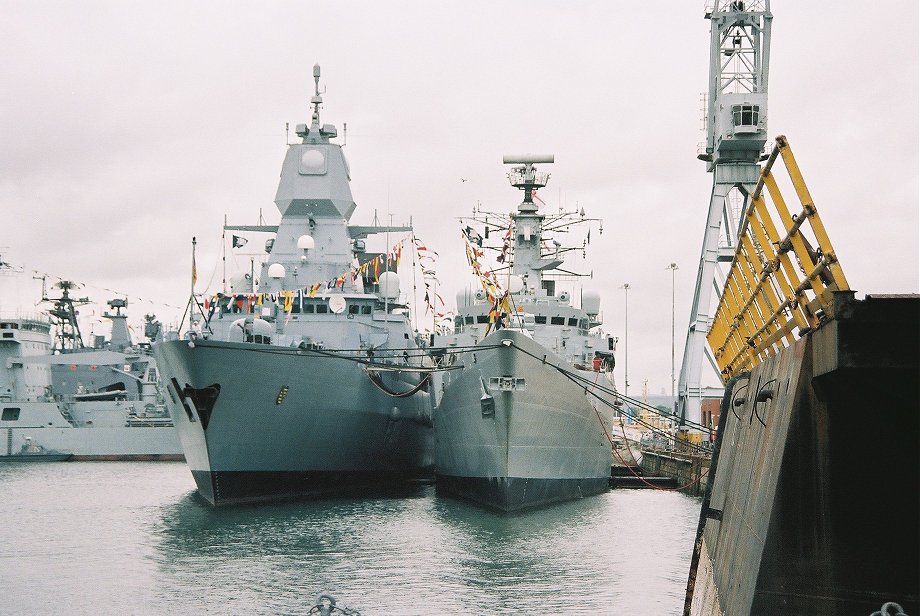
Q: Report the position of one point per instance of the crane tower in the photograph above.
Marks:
(736, 131)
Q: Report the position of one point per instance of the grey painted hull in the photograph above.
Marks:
(42, 430)
(543, 443)
(289, 424)
(139, 444)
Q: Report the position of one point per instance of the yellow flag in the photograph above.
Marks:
(194, 270)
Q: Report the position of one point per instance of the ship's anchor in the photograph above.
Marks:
(202, 400)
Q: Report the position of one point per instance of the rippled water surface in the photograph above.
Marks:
(132, 538)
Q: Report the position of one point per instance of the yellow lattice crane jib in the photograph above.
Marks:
(781, 282)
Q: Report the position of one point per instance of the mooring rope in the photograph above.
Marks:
(637, 476)
(378, 383)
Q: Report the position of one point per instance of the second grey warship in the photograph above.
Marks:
(526, 421)
(314, 381)
(61, 400)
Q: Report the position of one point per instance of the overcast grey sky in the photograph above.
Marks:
(127, 128)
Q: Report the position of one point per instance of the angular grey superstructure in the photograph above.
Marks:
(76, 403)
(525, 422)
(314, 382)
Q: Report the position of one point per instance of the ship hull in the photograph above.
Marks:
(513, 432)
(290, 424)
(41, 430)
(519, 493)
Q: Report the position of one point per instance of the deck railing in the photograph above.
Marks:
(779, 287)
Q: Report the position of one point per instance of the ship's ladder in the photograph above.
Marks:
(779, 287)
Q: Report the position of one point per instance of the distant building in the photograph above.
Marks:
(709, 408)
(709, 412)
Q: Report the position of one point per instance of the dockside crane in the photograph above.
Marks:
(736, 132)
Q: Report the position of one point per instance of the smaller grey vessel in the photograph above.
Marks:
(526, 421)
(60, 400)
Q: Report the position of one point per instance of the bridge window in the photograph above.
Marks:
(10, 414)
(366, 309)
(354, 309)
(573, 322)
(746, 115)
(482, 318)
(539, 320)
(557, 321)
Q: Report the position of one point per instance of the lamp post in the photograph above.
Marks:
(673, 267)
(625, 288)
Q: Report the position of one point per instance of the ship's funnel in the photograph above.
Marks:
(525, 159)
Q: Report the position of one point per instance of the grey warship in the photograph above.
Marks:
(62, 400)
(526, 421)
(313, 381)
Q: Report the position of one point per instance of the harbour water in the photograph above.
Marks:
(134, 538)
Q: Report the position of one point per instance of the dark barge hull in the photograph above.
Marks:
(813, 504)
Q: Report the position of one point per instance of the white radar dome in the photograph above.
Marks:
(312, 161)
(276, 271)
(515, 284)
(389, 285)
(305, 242)
(591, 302)
(337, 304)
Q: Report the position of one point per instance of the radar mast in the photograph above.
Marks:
(64, 318)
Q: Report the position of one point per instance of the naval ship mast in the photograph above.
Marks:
(64, 318)
(120, 339)
(736, 125)
(308, 223)
(525, 257)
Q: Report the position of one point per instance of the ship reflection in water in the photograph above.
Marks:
(420, 553)
(134, 538)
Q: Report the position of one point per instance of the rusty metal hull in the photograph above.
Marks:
(813, 506)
